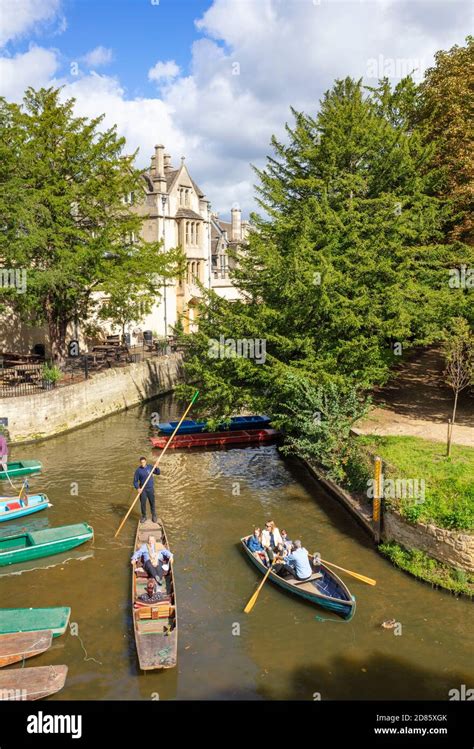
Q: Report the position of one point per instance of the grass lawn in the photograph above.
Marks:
(449, 482)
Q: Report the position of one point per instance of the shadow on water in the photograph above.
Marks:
(377, 677)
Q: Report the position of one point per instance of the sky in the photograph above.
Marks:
(213, 80)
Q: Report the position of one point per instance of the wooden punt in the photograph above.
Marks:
(25, 546)
(54, 618)
(21, 645)
(324, 588)
(21, 468)
(155, 626)
(212, 439)
(31, 683)
(16, 507)
(189, 426)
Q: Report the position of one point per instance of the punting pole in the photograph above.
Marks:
(156, 463)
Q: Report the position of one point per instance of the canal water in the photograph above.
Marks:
(284, 649)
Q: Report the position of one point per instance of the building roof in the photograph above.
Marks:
(187, 213)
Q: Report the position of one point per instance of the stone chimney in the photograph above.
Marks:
(236, 223)
(159, 161)
(167, 163)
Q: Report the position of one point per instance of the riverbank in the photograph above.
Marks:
(427, 533)
(47, 414)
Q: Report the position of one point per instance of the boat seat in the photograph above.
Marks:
(315, 576)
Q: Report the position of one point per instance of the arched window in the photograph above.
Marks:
(197, 234)
(186, 197)
(187, 232)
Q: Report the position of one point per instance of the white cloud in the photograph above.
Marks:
(17, 17)
(33, 68)
(98, 57)
(163, 71)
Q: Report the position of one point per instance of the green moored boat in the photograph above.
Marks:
(54, 619)
(26, 546)
(21, 468)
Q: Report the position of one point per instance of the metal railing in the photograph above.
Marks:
(29, 379)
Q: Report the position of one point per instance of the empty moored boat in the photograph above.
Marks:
(37, 544)
(20, 468)
(324, 588)
(21, 645)
(54, 618)
(17, 507)
(211, 439)
(155, 625)
(31, 683)
(189, 426)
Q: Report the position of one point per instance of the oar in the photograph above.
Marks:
(253, 600)
(363, 578)
(156, 463)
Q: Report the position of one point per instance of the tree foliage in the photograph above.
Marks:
(64, 214)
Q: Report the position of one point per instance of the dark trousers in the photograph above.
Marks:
(152, 571)
(148, 493)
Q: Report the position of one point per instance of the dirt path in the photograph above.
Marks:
(416, 403)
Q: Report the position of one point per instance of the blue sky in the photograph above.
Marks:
(214, 79)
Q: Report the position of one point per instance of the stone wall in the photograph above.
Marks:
(452, 547)
(32, 417)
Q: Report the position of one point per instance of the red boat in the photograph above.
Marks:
(209, 439)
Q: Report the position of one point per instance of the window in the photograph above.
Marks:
(186, 193)
(187, 232)
(197, 234)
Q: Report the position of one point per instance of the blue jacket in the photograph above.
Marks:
(299, 561)
(141, 475)
(254, 544)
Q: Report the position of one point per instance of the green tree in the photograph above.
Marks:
(444, 115)
(459, 356)
(65, 214)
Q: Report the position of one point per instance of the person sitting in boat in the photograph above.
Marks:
(271, 539)
(3, 453)
(151, 594)
(297, 563)
(139, 479)
(254, 543)
(155, 562)
(286, 544)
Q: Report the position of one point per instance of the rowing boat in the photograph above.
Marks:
(324, 588)
(21, 645)
(54, 618)
(31, 683)
(211, 439)
(12, 508)
(25, 546)
(189, 426)
(20, 468)
(156, 625)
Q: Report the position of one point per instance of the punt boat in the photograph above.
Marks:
(21, 645)
(14, 507)
(54, 618)
(211, 439)
(31, 683)
(324, 588)
(189, 426)
(25, 546)
(156, 625)
(21, 468)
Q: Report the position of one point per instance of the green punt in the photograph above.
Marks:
(55, 618)
(26, 546)
(21, 468)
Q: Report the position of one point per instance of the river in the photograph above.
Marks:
(284, 649)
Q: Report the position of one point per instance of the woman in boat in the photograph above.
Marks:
(271, 539)
(3, 452)
(254, 543)
(286, 544)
